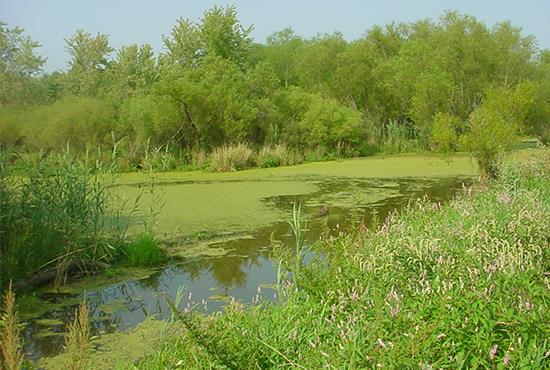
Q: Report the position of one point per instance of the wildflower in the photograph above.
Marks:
(506, 360)
(493, 352)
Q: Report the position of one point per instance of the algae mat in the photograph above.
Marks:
(191, 203)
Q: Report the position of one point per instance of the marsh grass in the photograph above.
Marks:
(143, 250)
(56, 215)
(277, 155)
(231, 158)
(457, 285)
(10, 338)
(78, 339)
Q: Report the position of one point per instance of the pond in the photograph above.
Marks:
(221, 227)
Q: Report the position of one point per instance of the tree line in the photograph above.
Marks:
(448, 84)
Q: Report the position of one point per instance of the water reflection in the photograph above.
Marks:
(246, 264)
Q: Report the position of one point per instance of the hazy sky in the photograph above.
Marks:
(141, 21)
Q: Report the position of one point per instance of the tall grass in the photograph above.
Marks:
(231, 158)
(460, 285)
(278, 155)
(78, 340)
(10, 339)
(54, 216)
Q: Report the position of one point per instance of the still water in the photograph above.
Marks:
(236, 266)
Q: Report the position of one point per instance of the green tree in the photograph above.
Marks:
(494, 127)
(88, 62)
(219, 33)
(19, 65)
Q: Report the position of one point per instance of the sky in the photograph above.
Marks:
(145, 21)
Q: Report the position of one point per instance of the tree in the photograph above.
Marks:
(132, 73)
(19, 64)
(219, 33)
(88, 62)
(494, 127)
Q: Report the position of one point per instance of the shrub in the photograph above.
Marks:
(494, 127)
(231, 158)
(445, 131)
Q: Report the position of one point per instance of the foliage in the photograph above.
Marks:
(495, 125)
(445, 132)
(323, 96)
(58, 213)
(19, 63)
(460, 285)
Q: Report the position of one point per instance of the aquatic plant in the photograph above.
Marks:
(55, 216)
(10, 338)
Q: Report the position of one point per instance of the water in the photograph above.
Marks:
(242, 267)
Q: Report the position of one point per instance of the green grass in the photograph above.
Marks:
(460, 285)
(144, 250)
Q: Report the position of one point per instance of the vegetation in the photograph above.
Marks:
(11, 354)
(448, 84)
(79, 338)
(460, 285)
(58, 216)
(144, 250)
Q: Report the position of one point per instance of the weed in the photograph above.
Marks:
(78, 340)
(10, 339)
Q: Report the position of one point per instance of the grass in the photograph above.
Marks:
(143, 250)
(11, 354)
(231, 158)
(52, 216)
(78, 339)
(278, 155)
(460, 285)
(57, 214)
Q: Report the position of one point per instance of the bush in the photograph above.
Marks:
(445, 131)
(144, 251)
(231, 158)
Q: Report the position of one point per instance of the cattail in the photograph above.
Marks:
(10, 340)
(78, 338)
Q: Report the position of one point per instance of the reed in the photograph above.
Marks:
(10, 339)
(78, 340)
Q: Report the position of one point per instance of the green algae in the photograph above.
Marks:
(32, 306)
(213, 203)
(99, 281)
(116, 350)
(113, 306)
